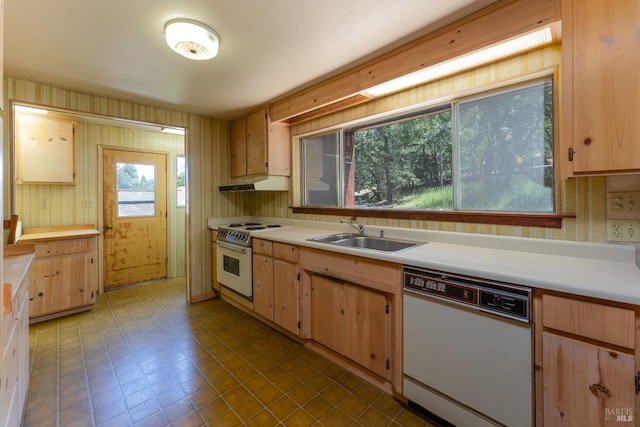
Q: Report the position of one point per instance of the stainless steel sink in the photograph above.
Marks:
(375, 243)
(365, 242)
(332, 238)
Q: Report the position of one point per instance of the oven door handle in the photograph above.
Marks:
(232, 247)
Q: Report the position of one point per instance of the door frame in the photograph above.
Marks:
(100, 202)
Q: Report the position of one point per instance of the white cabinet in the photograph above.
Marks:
(14, 345)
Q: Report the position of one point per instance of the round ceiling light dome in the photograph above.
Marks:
(191, 39)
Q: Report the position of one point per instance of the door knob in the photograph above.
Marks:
(108, 227)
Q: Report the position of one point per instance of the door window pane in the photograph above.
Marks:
(181, 176)
(136, 190)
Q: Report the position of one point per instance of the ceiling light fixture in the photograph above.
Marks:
(484, 56)
(191, 39)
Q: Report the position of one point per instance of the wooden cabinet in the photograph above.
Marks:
(63, 277)
(214, 263)
(601, 86)
(275, 283)
(259, 147)
(263, 285)
(352, 321)
(355, 306)
(38, 139)
(588, 360)
(286, 310)
(14, 342)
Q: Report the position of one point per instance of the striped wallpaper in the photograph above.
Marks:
(207, 152)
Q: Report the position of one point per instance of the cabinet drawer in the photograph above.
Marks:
(613, 325)
(285, 252)
(264, 247)
(379, 275)
(62, 247)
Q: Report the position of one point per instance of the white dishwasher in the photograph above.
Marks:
(468, 349)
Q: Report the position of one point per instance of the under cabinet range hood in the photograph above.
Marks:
(260, 183)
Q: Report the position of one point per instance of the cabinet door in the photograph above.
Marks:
(238, 148)
(601, 59)
(584, 384)
(38, 139)
(263, 285)
(214, 263)
(285, 295)
(351, 321)
(59, 283)
(257, 143)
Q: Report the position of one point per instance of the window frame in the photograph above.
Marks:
(547, 220)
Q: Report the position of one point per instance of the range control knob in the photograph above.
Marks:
(497, 301)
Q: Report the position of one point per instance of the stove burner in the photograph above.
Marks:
(235, 224)
(273, 225)
(255, 227)
(252, 223)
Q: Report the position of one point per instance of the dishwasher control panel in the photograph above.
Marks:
(494, 297)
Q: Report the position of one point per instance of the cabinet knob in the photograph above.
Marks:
(108, 226)
(587, 141)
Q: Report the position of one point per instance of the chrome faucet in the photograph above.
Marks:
(353, 221)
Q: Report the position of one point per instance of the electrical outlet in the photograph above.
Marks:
(622, 230)
(623, 202)
(44, 203)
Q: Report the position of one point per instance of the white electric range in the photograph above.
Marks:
(234, 253)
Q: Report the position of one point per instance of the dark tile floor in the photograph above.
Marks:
(145, 357)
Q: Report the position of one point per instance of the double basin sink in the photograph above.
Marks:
(351, 240)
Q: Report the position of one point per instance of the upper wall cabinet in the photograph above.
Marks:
(259, 147)
(44, 149)
(600, 132)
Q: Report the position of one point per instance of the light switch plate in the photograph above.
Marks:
(623, 203)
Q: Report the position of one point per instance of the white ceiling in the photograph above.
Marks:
(268, 48)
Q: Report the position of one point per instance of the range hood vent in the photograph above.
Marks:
(265, 183)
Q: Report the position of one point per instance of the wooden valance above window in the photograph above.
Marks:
(498, 22)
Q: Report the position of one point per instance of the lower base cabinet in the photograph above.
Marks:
(351, 321)
(63, 276)
(276, 283)
(587, 373)
(14, 358)
(585, 384)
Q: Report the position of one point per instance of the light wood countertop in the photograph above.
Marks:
(44, 234)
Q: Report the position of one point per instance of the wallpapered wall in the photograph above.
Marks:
(582, 197)
(206, 148)
(207, 151)
(69, 204)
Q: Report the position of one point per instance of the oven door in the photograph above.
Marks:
(234, 268)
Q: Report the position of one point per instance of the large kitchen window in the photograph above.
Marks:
(492, 152)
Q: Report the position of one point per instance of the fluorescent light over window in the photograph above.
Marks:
(173, 131)
(484, 56)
